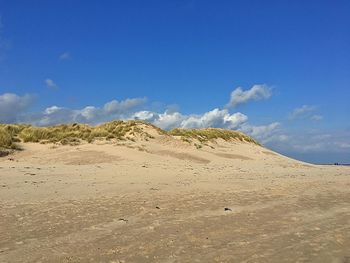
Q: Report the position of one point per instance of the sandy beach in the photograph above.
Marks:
(177, 131)
(164, 200)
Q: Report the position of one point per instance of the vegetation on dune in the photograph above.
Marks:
(8, 138)
(73, 134)
(208, 134)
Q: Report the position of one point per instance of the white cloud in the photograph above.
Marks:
(65, 56)
(214, 118)
(316, 117)
(50, 116)
(51, 84)
(302, 112)
(11, 105)
(265, 133)
(146, 116)
(115, 106)
(52, 110)
(257, 92)
(169, 120)
(89, 114)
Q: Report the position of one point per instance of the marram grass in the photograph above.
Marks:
(76, 133)
(73, 133)
(208, 134)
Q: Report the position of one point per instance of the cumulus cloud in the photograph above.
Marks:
(257, 92)
(169, 120)
(51, 84)
(65, 56)
(12, 105)
(214, 118)
(148, 116)
(115, 106)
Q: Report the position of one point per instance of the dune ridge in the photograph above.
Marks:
(132, 130)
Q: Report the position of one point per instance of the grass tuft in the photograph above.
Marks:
(8, 138)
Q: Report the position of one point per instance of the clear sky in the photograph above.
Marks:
(277, 70)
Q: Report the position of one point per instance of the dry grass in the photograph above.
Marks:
(209, 134)
(73, 134)
(8, 138)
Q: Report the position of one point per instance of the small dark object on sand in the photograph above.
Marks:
(227, 209)
(157, 207)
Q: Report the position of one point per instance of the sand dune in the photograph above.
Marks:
(168, 200)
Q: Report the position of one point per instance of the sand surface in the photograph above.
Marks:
(164, 201)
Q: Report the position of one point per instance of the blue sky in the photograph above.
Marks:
(175, 62)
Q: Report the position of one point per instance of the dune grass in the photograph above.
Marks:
(8, 138)
(208, 134)
(74, 134)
